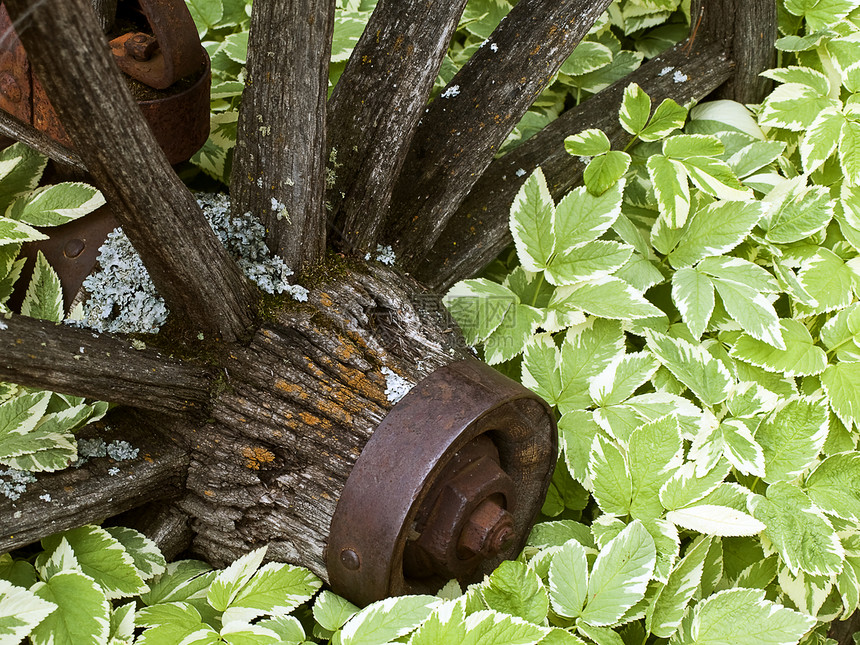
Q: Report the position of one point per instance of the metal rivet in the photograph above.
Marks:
(350, 559)
(74, 248)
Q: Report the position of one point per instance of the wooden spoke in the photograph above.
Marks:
(188, 265)
(478, 232)
(279, 162)
(464, 128)
(98, 489)
(375, 110)
(99, 366)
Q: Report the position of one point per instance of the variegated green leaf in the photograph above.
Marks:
(801, 357)
(635, 109)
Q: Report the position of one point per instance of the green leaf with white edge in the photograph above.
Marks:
(604, 171)
(203, 636)
(102, 558)
(82, 616)
(807, 76)
(44, 297)
(693, 294)
(568, 580)
(802, 213)
(532, 222)
(287, 628)
(20, 612)
(147, 557)
(21, 168)
(587, 143)
(588, 57)
(56, 205)
(834, 485)
(791, 438)
(599, 635)
(753, 619)
(684, 146)
(12, 232)
(691, 364)
(841, 383)
(229, 582)
(799, 530)
(635, 109)
(801, 357)
(620, 576)
(710, 519)
(794, 107)
(621, 378)
(479, 307)
(331, 611)
(513, 334)
(446, 624)
(669, 604)
(820, 14)
(671, 189)
(386, 620)
(840, 334)
(739, 270)
(714, 230)
(587, 262)
(246, 634)
(755, 156)
(577, 430)
(581, 217)
(715, 178)
(828, 279)
(494, 628)
(612, 485)
(654, 453)
(44, 449)
(513, 588)
(22, 413)
(750, 399)
(235, 46)
(741, 448)
(668, 117)
(685, 487)
(605, 297)
(821, 139)
(62, 559)
(182, 580)
(168, 623)
(751, 310)
(276, 589)
(122, 624)
(849, 152)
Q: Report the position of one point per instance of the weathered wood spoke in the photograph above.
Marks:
(99, 366)
(464, 128)
(94, 491)
(375, 109)
(478, 231)
(279, 161)
(187, 263)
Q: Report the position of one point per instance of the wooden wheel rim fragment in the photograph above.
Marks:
(407, 452)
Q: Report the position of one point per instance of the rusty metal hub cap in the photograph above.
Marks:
(447, 487)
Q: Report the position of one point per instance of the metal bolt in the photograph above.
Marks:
(10, 88)
(350, 559)
(74, 248)
(488, 530)
(141, 47)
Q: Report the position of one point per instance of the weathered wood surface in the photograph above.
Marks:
(375, 108)
(280, 156)
(39, 141)
(94, 491)
(303, 399)
(479, 231)
(749, 29)
(465, 126)
(55, 357)
(187, 263)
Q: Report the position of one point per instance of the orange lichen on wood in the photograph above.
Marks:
(257, 457)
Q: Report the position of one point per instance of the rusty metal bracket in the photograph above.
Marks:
(447, 486)
(171, 52)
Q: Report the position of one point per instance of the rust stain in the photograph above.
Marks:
(208, 493)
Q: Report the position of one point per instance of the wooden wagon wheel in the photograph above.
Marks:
(262, 426)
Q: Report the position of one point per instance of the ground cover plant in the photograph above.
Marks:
(690, 314)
